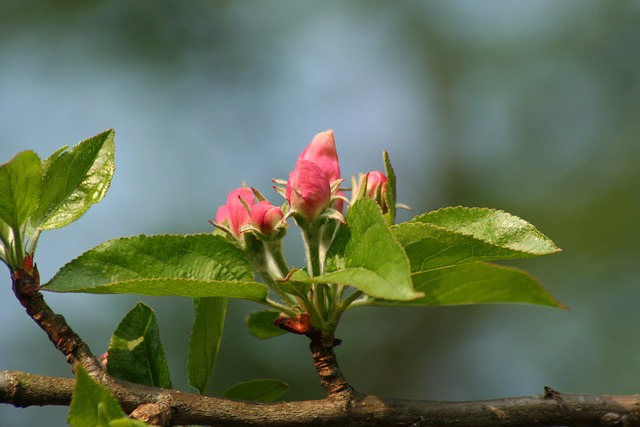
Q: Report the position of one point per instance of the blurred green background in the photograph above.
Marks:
(530, 107)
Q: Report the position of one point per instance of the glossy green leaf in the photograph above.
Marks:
(198, 266)
(20, 188)
(204, 343)
(365, 255)
(74, 180)
(135, 351)
(260, 324)
(430, 246)
(476, 283)
(91, 403)
(494, 227)
(262, 390)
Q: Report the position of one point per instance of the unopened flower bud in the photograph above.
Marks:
(322, 152)
(308, 191)
(235, 214)
(266, 217)
(375, 188)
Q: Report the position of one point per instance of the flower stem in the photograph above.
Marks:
(311, 237)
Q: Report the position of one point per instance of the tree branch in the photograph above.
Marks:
(25, 285)
(549, 409)
(343, 406)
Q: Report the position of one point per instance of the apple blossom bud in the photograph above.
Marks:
(266, 217)
(375, 189)
(322, 152)
(235, 214)
(308, 191)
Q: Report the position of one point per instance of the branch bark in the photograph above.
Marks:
(25, 285)
(344, 406)
(548, 409)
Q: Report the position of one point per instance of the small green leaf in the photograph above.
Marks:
(74, 180)
(198, 266)
(262, 390)
(365, 255)
(390, 190)
(20, 188)
(476, 283)
(205, 339)
(260, 324)
(91, 403)
(135, 351)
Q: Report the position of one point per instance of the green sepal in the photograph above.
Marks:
(390, 190)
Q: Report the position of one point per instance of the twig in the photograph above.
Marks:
(25, 286)
(23, 390)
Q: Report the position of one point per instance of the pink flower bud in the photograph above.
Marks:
(266, 217)
(375, 190)
(322, 152)
(308, 191)
(235, 213)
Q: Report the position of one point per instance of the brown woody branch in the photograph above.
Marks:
(26, 286)
(549, 409)
(344, 406)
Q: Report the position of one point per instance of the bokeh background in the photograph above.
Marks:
(530, 107)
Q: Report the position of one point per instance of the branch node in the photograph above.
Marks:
(551, 394)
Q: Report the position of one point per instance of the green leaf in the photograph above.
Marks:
(91, 403)
(430, 246)
(262, 390)
(74, 180)
(205, 339)
(20, 188)
(135, 351)
(198, 266)
(494, 227)
(260, 324)
(367, 256)
(390, 190)
(476, 283)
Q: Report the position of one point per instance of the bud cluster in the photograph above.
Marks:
(315, 200)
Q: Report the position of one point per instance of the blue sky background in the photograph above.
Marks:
(530, 107)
